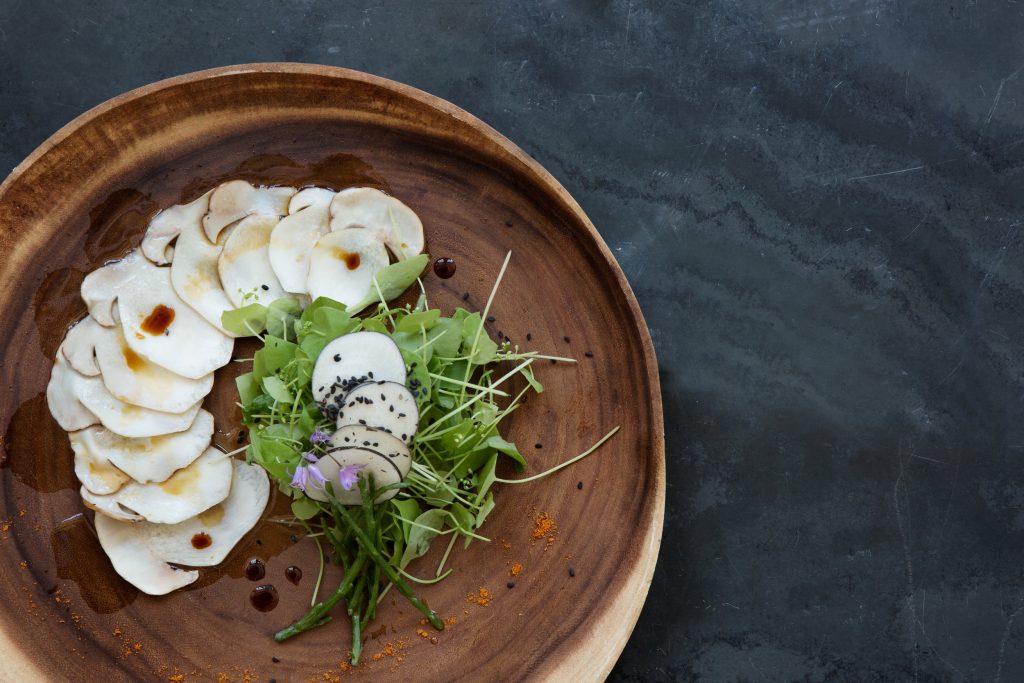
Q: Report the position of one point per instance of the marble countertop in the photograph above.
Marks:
(821, 213)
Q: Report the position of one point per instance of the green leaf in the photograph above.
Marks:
(445, 337)
(424, 529)
(303, 508)
(527, 373)
(393, 280)
(508, 448)
(463, 519)
(486, 476)
(485, 509)
(277, 389)
(248, 388)
(281, 316)
(245, 321)
(414, 321)
(408, 510)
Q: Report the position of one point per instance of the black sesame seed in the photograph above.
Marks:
(567, 339)
(346, 438)
(510, 584)
(337, 359)
(275, 660)
(553, 361)
(293, 538)
(382, 397)
(272, 680)
(391, 409)
(579, 485)
(572, 572)
(259, 542)
(508, 224)
(529, 337)
(490, 318)
(362, 422)
(265, 288)
(538, 445)
(465, 296)
(401, 415)
(370, 374)
(589, 354)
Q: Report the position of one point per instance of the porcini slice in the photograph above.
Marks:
(387, 406)
(107, 506)
(244, 264)
(366, 463)
(389, 220)
(127, 419)
(135, 562)
(293, 239)
(185, 494)
(168, 224)
(62, 397)
(342, 265)
(158, 325)
(93, 470)
(79, 346)
(236, 199)
(351, 360)
(222, 526)
(152, 459)
(391, 447)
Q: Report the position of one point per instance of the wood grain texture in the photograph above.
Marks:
(85, 196)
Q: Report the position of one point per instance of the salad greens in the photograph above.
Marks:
(464, 383)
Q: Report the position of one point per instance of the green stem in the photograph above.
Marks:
(316, 616)
(357, 640)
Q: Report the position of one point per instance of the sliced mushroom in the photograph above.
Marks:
(157, 324)
(387, 406)
(168, 224)
(384, 473)
(351, 360)
(342, 265)
(185, 494)
(93, 470)
(391, 447)
(135, 562)
(391, 222)
(107, 506)
(222, 526)
(127, 419)
(294, 237)
(79, 347)
(152, 459)
(244, 264)
(236, 199)
(62, 397)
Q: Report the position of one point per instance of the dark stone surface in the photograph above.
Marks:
(821, 214)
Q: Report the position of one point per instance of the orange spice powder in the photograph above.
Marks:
(516, 569)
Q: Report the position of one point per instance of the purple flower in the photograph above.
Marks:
(306, 477)
(348, 475)
(309, 457)
(318, 437)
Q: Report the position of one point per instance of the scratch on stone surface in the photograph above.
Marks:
(998, 96)
(1006, 639)
(908, 560)
(829, 100)
(1007, 238)
(911, 233)
(879, 175)
(952, 372)
(922, 457)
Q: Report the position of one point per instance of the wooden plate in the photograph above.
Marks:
(85, 197)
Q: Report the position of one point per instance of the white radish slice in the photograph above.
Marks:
(331, 463)
(62, 397)
(244, 264)
(157, 324)
(292, 240)
(387, 406)
(79, 346)
(168, 224)
(94, 471)
(342, 265)
(107, 506)
(391, 447)
(135, 562)
(127, 419)
(148, 459)
(352, 359)
(236, 199)
(389, 220)
(224, 524)
(185, 494)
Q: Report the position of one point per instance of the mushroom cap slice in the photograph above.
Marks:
(135, 562)
(79, 346)
(294, 237)
(152, 459)
(127, 419)
(168, 224)
(93, 470)
(185, 494)
(107, 506)
(244, 264)
(342, 265)
(353, 359)
(225, 523)
(331, 463)
(387, 406)
(236, 199)
(62, 397)
(391, 447)
(157, 324)
(389, 220)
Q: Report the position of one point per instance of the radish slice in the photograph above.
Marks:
(342, 266)
(135, 562)
(391, 447)
(383, 470)
(224, 524)
(244, 264)
(147, 459)
(294, 237)
(350, 360)
(387, 406)
(389, 221)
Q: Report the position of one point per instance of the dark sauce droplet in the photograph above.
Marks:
(444, 267)
(255, 569)
(293, 574)
(158, 320)
(264, 598)
(201, 540)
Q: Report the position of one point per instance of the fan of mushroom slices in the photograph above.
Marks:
(129, 380)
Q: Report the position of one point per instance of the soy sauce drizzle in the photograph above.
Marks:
(444, 267)
(158, 320)
(201, 540)
(255, 569)
(293, 574)
(263, 597)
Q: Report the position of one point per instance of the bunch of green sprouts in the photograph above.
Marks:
(465, 384)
